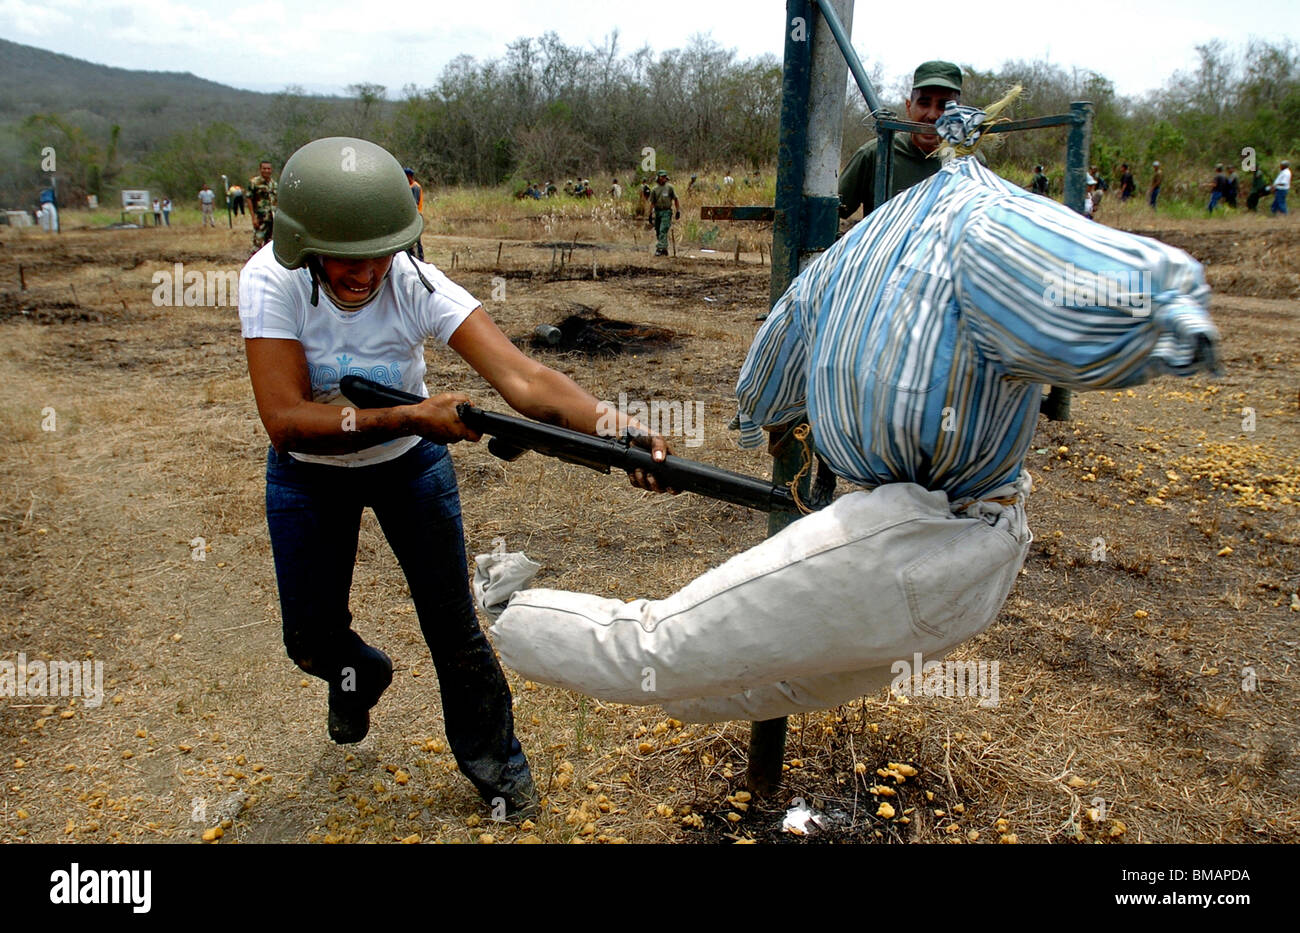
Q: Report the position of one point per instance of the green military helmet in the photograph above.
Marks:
(344, 198)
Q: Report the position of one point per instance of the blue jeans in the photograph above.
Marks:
(1215, 197)
(314, 514)
(1279, 201)
(1155, 193)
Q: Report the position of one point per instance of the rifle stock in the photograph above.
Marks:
(511, 437)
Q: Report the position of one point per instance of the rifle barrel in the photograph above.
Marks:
(511, 436)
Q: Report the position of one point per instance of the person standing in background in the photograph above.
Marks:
(1126, 183)
(1281, 185)
(1218, 187)
(1258, 187)
(1039, 184)
(1231, 187)
(207, 198)
(418, 193)
(934, 83)
(1157, 176)
(663, 199)
(262, 198)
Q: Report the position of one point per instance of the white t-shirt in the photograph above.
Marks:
(1283, 180)
(384, 341)
(207, 196)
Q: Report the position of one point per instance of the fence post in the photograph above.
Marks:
(1057, 404)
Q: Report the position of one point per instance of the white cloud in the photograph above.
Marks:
(34, 20)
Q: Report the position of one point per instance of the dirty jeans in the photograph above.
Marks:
(813, 617)
(314, 514)
(663, 220)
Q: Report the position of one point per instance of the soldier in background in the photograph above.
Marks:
(1126, 183)
(1258, 187)
(1039, 184)
(663, 199)
(262, 198)
(933, 85)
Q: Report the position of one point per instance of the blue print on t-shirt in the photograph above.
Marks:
(325, 378)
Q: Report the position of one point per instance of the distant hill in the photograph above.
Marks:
(149, 106)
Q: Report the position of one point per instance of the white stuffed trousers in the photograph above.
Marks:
(812, 617)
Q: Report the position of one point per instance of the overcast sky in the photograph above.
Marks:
(326, 45)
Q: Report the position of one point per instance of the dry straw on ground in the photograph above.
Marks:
(1123, 716)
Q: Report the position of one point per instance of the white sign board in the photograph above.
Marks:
(135, 199)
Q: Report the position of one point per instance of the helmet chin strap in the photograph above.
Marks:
(319, 281)
(416, 266)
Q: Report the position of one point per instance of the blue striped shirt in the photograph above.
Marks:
(918, 344)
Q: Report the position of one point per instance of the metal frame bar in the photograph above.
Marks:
(1011, 126)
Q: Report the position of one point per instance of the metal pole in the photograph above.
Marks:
(826, 93)
(1077, 149)
(807, 219)
(767, 738)
(832, 18)
(1076, 155)
(791, 147)
(884, 160)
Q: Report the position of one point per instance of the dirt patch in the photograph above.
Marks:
(1159, 586)
(45, 312)
(585, 330)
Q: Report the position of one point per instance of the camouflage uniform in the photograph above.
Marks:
(661, 199)
(262, 198)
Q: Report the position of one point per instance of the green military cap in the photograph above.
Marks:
(937, 74)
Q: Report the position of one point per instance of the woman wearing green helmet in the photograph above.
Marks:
(337, 293)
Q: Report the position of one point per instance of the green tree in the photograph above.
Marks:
(83, 165)
(201, 156)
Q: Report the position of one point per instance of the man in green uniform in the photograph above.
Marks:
(663, 200)
(262, 198)
(933, 85)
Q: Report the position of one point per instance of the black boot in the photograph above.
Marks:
(359, 688)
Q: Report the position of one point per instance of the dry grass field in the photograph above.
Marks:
(1162, 679)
